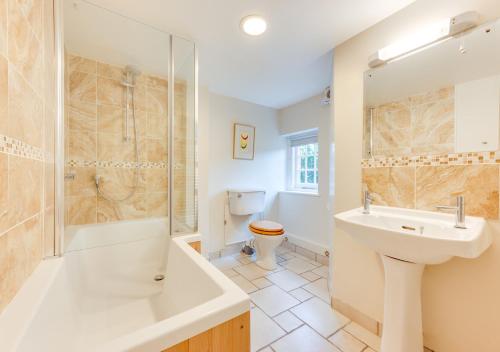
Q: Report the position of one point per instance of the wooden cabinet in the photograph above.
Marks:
(231, 336)
(196, 245)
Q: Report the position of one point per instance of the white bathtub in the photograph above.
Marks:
(101, 296)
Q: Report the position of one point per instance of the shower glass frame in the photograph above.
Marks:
(60, 161)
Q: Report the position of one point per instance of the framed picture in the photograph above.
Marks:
(243, 142)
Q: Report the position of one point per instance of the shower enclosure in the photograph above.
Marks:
(129, 127)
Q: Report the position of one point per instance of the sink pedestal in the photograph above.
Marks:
(402, 306)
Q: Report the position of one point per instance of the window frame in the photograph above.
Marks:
(294, 167)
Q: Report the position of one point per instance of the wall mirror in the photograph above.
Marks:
(443, 99)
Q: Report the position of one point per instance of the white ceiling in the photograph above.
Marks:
(290, 62)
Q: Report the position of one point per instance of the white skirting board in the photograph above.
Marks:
(304, 243)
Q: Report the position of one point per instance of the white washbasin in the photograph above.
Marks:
(414, 235)
(407, 240)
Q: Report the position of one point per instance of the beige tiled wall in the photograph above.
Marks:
(27, 120)
(95, 144)
(419, 124)
(402, 174)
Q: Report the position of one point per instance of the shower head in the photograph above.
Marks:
(132, 71)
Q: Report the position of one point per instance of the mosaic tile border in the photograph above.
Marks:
(474, 158)
(19, 148)
(117, 164)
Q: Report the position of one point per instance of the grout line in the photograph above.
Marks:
(313, 296)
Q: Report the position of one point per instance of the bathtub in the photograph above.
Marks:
(102, 296)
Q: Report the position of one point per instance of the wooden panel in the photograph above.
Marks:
(180, 347)
(231, 336)
(196, 245)
(234, 335)
(201, 342)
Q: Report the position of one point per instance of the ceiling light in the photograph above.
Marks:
(253, 25)
(442, 30)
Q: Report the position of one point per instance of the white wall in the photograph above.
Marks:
(461, 299)
(306, 217)
(266, 171)
(203, 144)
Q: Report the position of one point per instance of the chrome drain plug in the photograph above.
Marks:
(159, 277)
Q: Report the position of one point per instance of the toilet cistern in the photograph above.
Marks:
(268, 234)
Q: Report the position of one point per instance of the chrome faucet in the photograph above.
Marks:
(367, 200)
(460, 212)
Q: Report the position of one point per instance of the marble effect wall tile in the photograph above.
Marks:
(21, 251)
(82, 87)
(4, 88)
(3, 27)
(97, 109)
(82, 145)
(81, 210)
(439, 185)
(391, 186)
(25, 111)
(110, 92)
(25, 51)
(133, 208)
(82, 116)
(78, 63)
(420, 124)
(433, 127)
(4, 200)
(27, 117)
(157, 204)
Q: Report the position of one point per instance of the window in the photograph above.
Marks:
(303, 156)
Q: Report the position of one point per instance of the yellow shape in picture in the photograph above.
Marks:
(244, 140)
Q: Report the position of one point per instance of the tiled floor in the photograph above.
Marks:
(290, 307)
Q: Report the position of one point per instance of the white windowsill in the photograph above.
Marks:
(302, 193)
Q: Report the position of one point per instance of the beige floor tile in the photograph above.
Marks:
(321, 271)
(273, 300)
(301, 294)
(251, 271)
(287, 256)
(282, 250)
(224, 263)
(288, 321)
(230, 273)
(346, 342)
(267, 349)
(320, 316)
(263, 329)
(303, 339)
(364, 335)
(287, 280)
(262, 282)
(244, 284)
(298, 265)
(309, 275)
(245, 259)
(319, 288)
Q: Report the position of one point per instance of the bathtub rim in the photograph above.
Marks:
(17, 316)
(178, 328)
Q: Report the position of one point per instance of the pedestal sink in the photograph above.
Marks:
(407, 240)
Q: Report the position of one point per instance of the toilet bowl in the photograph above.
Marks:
(268, 236)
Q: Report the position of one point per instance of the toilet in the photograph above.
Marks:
(268, 234)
